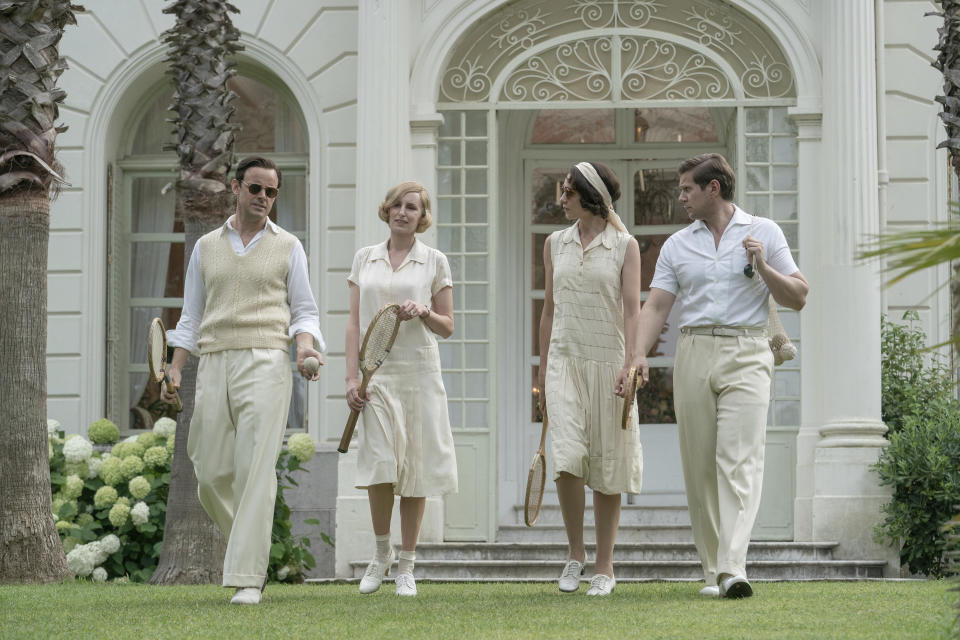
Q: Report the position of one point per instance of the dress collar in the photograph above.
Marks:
(608, 237)
(418, 253)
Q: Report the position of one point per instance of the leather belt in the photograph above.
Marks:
(726, 332)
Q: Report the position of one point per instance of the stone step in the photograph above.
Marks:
(630, 515)
(635, 570)
(554, 533)
(625, 551)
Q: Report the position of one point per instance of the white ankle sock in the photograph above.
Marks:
(406, 562)
(383, 547)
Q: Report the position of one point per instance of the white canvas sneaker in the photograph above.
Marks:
(570, 577)
(710, 591)
(601, 585)
(246, 595)
(406, 585)
(373, 576)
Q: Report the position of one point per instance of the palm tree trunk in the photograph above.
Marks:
(193, 546)
(30, 549)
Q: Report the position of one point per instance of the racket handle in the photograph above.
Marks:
(348, 432)
(171, 389)
(352, 420)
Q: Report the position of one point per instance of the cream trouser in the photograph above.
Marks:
(236, 434)
(721, 394)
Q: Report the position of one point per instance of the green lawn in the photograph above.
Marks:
(464, 611)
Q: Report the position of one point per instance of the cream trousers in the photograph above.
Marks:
(721, 394)
(236, 434)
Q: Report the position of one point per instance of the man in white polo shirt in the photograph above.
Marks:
(246, 295)
(722, 267)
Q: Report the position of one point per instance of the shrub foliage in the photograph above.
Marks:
(922, 463)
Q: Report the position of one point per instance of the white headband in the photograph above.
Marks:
(586, 169)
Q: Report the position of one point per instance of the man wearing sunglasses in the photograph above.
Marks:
(722, 268)
(246, 297)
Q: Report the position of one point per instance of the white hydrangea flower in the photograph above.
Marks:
(52, 427)
(165, 427)
(139, 487)
(72, 488)
(301, 446)
(82, 560)
(93, 464)
(130, 439)
(77, 449)
(283, 572)
(140, 514)
(110, 544)
(99, 574)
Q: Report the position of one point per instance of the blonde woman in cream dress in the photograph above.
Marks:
(405, 444)
(587, 335)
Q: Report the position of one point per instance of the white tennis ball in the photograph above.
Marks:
(311, 365)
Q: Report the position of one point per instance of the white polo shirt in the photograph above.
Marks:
(708, 280)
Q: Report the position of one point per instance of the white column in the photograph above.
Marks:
(845, 302)
(384, 158)
(383, 109)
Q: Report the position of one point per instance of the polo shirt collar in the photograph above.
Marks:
(740, 217)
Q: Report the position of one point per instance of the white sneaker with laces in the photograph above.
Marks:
(246, 595)
(601, 585)
(710, 591)
(570, 577)
(373, 576)
(406, 585)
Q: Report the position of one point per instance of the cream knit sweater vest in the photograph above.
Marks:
(246, 303)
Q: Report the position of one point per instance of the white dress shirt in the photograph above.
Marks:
(708, 279)
(304, 315)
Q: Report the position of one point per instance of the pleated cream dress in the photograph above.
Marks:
(587, 351)
(404, 429)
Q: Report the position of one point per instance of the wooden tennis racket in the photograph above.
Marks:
(376, 346)
(630, 386)
(157, 358)
(536, 478)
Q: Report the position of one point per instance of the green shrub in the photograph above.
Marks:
(111, 519)
(913, 382)
(922, 462)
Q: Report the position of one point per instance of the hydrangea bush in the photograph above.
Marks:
(110, 506)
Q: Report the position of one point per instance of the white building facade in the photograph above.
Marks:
(824, 108)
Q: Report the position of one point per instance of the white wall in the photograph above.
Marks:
(115, 54)
(917, 191)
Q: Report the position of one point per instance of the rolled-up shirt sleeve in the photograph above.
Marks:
(185, 334)
(304, 315)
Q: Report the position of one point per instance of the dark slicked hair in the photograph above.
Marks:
(590, 198)
(708, 167)
(257, 161)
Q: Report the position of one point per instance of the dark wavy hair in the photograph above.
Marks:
(708, 167)
(590, 198)
(257, 161)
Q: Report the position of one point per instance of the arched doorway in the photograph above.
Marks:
(528, 91)
(145, 239)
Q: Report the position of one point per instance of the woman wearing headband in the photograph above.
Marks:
(590, 314)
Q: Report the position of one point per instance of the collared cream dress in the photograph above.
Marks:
(587, 351)
(404, 429)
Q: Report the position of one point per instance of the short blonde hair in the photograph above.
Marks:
(396, 193)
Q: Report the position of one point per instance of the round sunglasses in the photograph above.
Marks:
(254, 189)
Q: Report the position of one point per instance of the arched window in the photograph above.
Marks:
(146, 238)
